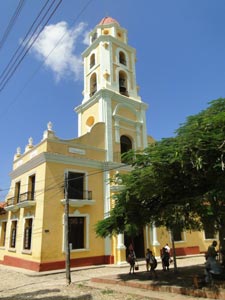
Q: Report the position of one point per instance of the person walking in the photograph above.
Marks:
(222, 252)
(212, 266)
(147, 259)
(153, 265)
(165, 259)
(212, 252)
(167, 248)
(131, 259)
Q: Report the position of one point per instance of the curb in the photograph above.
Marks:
(203, 293)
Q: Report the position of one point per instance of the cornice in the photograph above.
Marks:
(56, 158)
(114, 96)
(32, 163)
(107, 38)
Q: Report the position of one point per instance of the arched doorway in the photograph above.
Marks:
(137, 243)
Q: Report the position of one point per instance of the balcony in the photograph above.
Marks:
(21, 201)
(82, 198)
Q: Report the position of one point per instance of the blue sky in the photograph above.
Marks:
(180, 65)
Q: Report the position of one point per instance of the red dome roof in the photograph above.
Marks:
(108, 20)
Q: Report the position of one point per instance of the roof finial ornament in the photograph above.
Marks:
(30, 142)
(29, 145)
(18, 153)
(49, 133)
(49, 126)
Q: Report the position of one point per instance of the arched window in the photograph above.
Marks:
(92, 60)
(122, 58)
(123, 83)
(125, 145)
(93, 84)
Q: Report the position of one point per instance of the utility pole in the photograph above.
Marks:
(66, 227)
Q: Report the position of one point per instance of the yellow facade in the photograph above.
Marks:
(111, 121)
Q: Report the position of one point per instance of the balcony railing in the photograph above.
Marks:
(11, 201)
(80, 195)
(28, 196)
(79, 199)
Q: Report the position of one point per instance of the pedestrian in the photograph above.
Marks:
(165, 259)
(211, 265)
(147, 259)
(153, 264)
(222, 252)
(167, 248)
(131, 259)
(131, 247)
(212, 252)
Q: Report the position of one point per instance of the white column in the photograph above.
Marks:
(108, 130)
(144, 129)
(117, 130)
(154, 235)
(79, 124)
(147, 236)
(120, 241)
(107, 207)
(138, 135)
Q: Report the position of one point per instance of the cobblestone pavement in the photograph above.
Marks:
(22, 284)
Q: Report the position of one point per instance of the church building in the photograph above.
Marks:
(111, 121)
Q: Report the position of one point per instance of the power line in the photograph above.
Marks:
(37, 70)
(61, 183)
(22, 43)
(27, 47)
(11, 23)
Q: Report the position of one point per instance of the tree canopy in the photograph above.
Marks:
(182, 175)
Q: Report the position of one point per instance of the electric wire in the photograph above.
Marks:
(40, 66)
(59, 186)
(11, 23)
(23, 42)
(59, 191)
(61, 183)
(30, 42)
(80, 13)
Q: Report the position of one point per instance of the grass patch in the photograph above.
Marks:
(107, 292)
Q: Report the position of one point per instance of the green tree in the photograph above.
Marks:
(183, 175)
(202, 148)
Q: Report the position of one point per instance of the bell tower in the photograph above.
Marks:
(110, 92)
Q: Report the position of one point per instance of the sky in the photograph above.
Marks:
(180, 65)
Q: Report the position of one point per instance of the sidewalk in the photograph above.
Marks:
(168, 284)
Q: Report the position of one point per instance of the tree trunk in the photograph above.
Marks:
(174, 253)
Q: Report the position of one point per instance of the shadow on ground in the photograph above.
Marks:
(45, 292)
(185, 277)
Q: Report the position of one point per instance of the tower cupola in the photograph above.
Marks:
(109, 62)
(110, 94)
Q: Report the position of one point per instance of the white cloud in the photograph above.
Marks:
(86, 38)
(55, 47)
